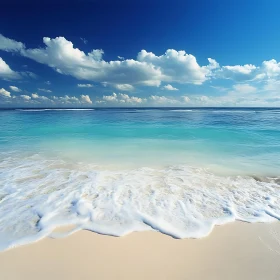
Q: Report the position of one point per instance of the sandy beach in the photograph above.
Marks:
(234, 251)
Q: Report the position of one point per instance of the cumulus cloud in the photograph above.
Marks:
(86, 99)
(213, 64)
(44, 90)
(111, 98)
(5, 93)
(39, 97)
(14, 88)
(177, 66)
(124, 87)
(250, 99)
(122, 98)
(10, 45)
(240, 73)
(272, 72)
(232, 98)
(149, 69)
(35, 95)
(131, 99)
(38, 100)
(85, 85)
(169, 87)
(163, 100)
(25, 97)
(68, 99)
(269, 69)
(6, 72)
(96, 54)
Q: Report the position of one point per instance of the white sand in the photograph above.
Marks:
(234, 251)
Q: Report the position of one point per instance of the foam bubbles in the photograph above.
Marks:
(38, 194)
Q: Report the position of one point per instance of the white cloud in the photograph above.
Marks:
(271, 68)
(163, 100)
(35, 95)
(169, 87)
(66, 100)
(86, 99)
(213, 64)
(96, 54)
(251, 98)
(14, 88)
(243, 89)
(177, 66)
(48, 83)
(122, 98)
(6, 72)
(69, 99)
(120, 57)
(124, 87)
(272, 85)
(44, 90)
(10, 45)
(25, 97)
(111, 98)
(148, 69)
(39, 97)
(241, 69)
(5, 93)
(245, 72)
(85, 85)
(186, 99)
(130, 99)
(56, 101)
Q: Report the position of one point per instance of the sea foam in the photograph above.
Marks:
(38, 194)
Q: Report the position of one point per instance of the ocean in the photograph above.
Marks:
(180, 171)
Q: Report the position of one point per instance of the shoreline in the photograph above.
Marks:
(234, 251)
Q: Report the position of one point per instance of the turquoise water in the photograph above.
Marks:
(115, 171)
(247, 140)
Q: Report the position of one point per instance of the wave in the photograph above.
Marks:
(181, 201)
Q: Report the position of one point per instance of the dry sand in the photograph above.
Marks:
(234, 251)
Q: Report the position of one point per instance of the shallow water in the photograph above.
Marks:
(114, 171)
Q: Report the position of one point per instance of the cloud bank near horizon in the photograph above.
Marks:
(253, 85)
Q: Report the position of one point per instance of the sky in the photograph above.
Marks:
(93, 53)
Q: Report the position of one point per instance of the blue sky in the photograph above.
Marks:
(146, 53)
